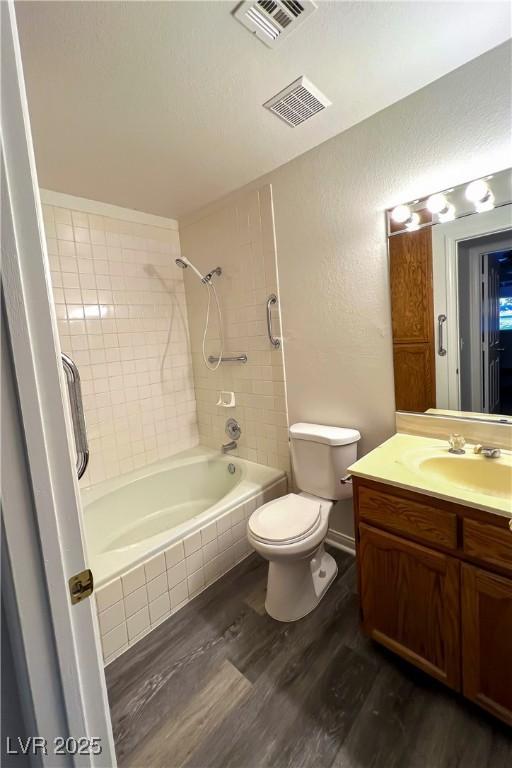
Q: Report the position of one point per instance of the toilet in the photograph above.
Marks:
(290, 531)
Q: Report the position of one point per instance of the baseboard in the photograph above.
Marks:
(341, 541)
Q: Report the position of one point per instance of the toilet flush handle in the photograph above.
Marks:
(346, 479)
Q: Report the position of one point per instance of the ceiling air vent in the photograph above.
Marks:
(297, 102)
(273, 20)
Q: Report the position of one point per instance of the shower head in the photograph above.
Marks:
(183, 263)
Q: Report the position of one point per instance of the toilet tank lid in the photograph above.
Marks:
(319, 433)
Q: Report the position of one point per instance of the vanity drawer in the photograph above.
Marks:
(411, 518)
(489, 543)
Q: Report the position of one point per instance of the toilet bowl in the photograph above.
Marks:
(290, 531)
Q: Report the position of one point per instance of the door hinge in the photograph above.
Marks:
(81, 586)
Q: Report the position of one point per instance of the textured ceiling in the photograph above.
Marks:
(156, 106)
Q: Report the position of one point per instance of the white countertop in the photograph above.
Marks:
(398, 462)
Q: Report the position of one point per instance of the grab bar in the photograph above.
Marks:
(238, 359)
(274, 340)
(77, 414)
(441, 319)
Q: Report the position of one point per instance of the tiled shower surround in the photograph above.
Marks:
(121, 312)
(238, 236)
(123, 318)
(135, 603)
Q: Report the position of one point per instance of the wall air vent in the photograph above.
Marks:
(273, 20)
(297, 102)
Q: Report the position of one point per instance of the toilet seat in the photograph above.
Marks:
(286, 520)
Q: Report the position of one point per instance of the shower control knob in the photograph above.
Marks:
(233, 429)
(322, 573)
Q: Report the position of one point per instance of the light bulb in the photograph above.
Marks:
(478, 191)
(448, 214)
(401, 214)
(487, 204)
(413, 223)
(438, 203)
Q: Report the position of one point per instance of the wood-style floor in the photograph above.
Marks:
(222, 685)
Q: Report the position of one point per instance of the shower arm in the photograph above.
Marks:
(182, 262)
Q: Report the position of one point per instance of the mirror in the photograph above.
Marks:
(450, 259)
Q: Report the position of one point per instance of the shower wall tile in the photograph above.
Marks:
(239, 238)
(126, 615)
(120, 304)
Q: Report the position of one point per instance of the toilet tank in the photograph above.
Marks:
(320, 457)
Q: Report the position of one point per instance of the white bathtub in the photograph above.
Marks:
(131, 518)
(158, 536)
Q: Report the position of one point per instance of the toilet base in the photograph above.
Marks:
(295, 588)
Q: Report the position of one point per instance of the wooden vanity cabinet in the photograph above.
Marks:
(435, 585)
(410, 601)
(487, 640)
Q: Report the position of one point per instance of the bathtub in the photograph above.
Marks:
(157, 536)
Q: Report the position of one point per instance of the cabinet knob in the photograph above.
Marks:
(510, 524)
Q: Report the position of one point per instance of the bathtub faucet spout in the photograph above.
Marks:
(229, 446)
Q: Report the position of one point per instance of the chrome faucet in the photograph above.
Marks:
(487, 451)
(229, 446)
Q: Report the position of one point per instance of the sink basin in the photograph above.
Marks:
(492, 477)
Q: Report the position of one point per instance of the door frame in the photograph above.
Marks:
(47, 428)
(445, 242)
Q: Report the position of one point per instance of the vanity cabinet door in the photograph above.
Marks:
(410, 602)
(487, 640)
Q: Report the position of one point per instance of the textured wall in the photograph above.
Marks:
(239, 237)
(331, 240)
(121, 312)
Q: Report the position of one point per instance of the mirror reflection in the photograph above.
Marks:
(451, 296)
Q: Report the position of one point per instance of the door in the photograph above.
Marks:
(487, 640)
(490, 326)
(34, 347)
(410, 602)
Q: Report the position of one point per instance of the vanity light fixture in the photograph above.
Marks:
(487, 204)
(448, 214)
(402, 215)
(413, 222)
(438, 203)
(441, 207)
(479, 193)
(451, 203)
